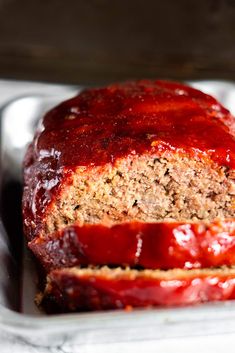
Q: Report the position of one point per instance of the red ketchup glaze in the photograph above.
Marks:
(149, 245)
(96, 292)
(101, 125)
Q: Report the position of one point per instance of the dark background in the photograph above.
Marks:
(96, 41)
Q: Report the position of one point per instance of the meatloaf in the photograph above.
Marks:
(164, 245)
(138, 174)
(74, 289)
(146, 150)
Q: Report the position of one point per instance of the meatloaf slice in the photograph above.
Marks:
(146, 150)
(74, 289)
(147, 245)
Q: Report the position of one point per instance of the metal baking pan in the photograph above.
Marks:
(18, 277)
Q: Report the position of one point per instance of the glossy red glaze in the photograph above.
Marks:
(73, 293)
(149, 245)
(101, 125)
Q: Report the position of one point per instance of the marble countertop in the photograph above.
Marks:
(215, 344)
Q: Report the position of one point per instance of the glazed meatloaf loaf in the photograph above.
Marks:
(139, 174)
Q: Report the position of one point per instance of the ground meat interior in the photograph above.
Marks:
(145, 188)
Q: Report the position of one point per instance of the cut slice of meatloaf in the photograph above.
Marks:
(74, 289)
(147, 151)
(146, 245)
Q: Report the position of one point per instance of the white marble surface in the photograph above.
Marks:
(215, 344)
(11, 343)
